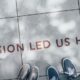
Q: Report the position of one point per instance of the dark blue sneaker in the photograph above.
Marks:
(68, 68)
(52, 73)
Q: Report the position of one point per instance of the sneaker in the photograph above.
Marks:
(68, 68)
(24, 72)
(34, 74)
(52, 73)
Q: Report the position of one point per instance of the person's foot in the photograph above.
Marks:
(34, 74)
(24, 72)
(68, 68)
(52, 73)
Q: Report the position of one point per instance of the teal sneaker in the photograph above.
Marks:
(52, 73)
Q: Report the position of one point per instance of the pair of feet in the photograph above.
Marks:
(31, 72)
(28, 72)
(68, 69)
